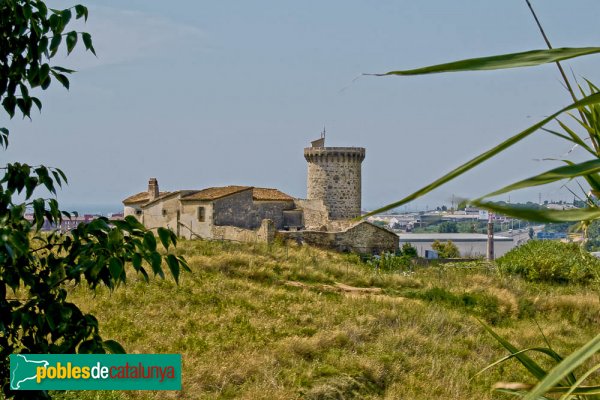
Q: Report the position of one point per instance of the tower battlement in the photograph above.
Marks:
(334, 176)
(314, 154)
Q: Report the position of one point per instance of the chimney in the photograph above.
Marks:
(153, 188)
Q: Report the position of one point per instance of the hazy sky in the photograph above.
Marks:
(200, 94)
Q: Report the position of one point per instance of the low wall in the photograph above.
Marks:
(265, 233)
(363, 238)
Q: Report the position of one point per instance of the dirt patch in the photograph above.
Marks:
(352, 289)
(338, 287)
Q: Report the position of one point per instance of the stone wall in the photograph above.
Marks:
(242, 211)
(293, 219)
(238, 210)
(363, 237)
(163, 213)
(235, 210)
(264, 234)
(340, 224)
(315, 213)
(133, 209)
(273, 210)
(334, 176)
(191, 227)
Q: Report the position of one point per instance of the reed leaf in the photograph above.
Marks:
(517, 392)
(524, 359)
(556, 174)
(544, 350)
(504, 61)
(568, 365)
(542, 215)
(577, 384)
(591, 99)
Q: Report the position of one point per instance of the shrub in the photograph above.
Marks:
(391, 263)
(550, 261)
(446, 250)
(409, 250)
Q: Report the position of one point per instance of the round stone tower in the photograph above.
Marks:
(334, 176)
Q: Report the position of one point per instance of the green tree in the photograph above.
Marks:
(448, 227)
(36, 267)
(593, 236)
(446, 249)
(409, 250)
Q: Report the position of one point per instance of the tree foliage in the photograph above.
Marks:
(448, 227)
(408, 250)
(35, 266)
(550, 261)
(446, 249)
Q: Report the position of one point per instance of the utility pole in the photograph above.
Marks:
(490, 237)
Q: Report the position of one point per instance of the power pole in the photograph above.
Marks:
(490, 237)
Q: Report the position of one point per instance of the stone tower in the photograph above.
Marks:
(334, 176)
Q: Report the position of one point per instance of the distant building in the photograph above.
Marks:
(460, 217)
(551, 235)
(469, 244)
(559, 206)
(66, 224)
(116, 217)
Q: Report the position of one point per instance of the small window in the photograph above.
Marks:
(164, 212)
(201, 214)
(138, 212)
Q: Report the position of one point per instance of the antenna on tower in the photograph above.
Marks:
(323, 133)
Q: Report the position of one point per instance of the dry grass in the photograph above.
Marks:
(245, 332)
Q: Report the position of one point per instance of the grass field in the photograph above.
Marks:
(275, 322)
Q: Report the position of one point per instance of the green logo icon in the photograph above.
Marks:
(24, 369)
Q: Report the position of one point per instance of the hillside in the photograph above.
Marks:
(279, 322)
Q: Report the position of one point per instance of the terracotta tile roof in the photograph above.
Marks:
(141, 197)
(214, 193)
(165, 195)
(270, 195)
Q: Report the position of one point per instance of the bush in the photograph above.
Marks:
(409, 250)
(550, 261)
(446, 250)
(391, 263)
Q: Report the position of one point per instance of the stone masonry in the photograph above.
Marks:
(334, 176)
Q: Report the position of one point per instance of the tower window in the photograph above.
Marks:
(164, 212)
(201, 214)
(138, 212)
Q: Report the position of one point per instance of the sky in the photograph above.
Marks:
(201, 94)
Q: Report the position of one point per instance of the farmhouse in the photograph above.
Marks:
(255, 214)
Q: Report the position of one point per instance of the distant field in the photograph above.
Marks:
(259, 322)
